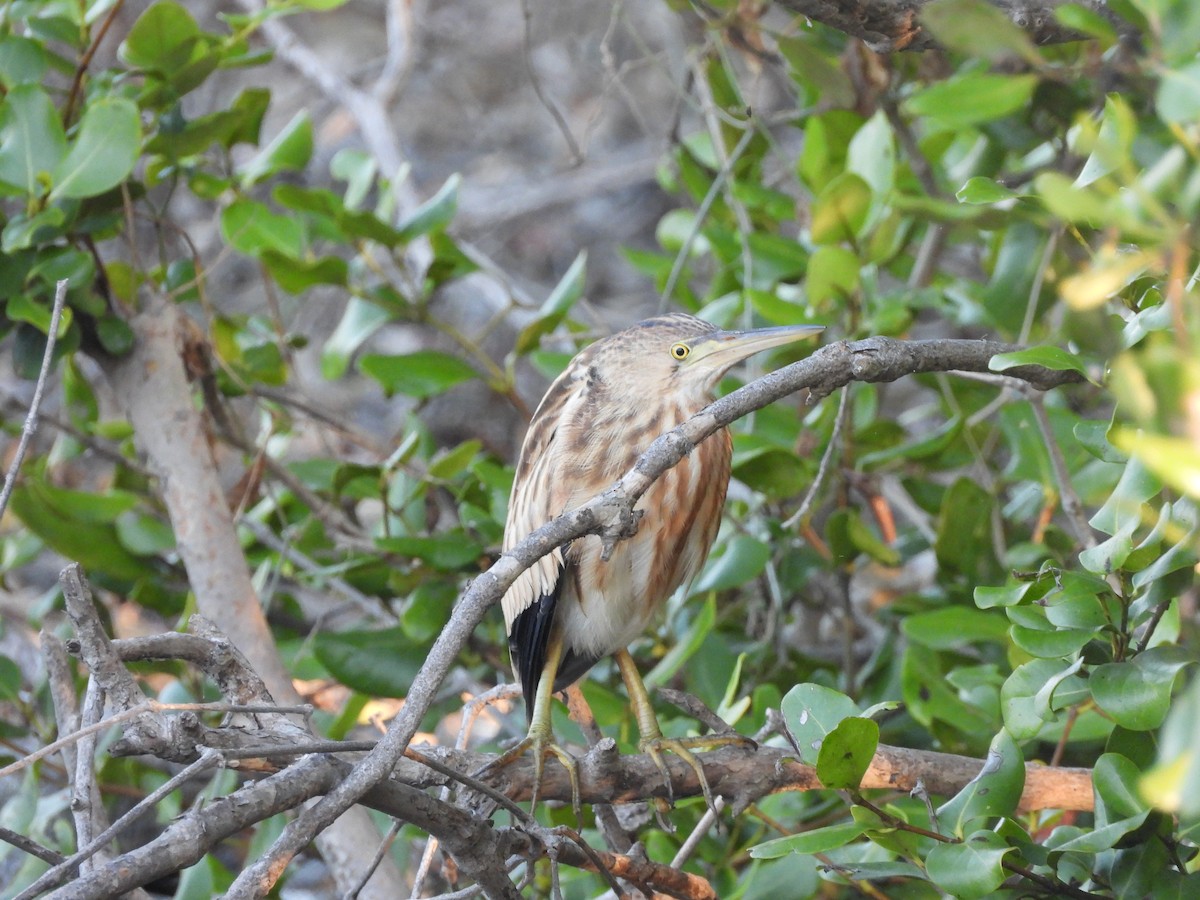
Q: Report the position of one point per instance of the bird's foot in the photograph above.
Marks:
(656, 745)
(542, 746)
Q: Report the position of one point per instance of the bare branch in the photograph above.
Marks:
(31, 420)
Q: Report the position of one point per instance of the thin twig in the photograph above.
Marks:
(536, 82)
(54, 877)
(31, 420)
(399, 29)
(372, 607)
(133, 712)
(86, 806)
(1071, 504)
(818, 482)
(380, 852)
(473, 783)
(702, 214)
(1039, 278)
(30, 846)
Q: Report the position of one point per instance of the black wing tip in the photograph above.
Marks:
(528, 641)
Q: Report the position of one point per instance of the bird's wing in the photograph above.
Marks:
(539, 494)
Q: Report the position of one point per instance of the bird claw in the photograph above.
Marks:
(542, 747)
(681, 747)
(655, 747)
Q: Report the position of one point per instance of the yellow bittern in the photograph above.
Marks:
(572, 609)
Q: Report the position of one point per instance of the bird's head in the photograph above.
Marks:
(686, 353)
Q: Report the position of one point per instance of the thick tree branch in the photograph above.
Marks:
(168, 428)
(887, 25)
(611, 516)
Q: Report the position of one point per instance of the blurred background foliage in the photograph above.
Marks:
(1019, 571)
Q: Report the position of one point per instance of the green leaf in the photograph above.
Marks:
(1087, 21)
(251, 228)
(980, 189)
(833, 275)
(1009, 595)
(448, 463)
(954, 626)
(973, 98)
(840, 210)
(568, 290)
(358, 169)
(977, 29)
(743, 559)
(846, 753)
(359, 321)
(162, 38)
(1124, 504)
(964, 531)
(298, 275)
(449, 550)
(1112, 143)
(971, 869)
(1175, 460)
(1026, 708)
(1050, 643)
(818, 840)
(1173, 785)
(872, 155)
(1178, 99)
(679, 654)
(379, 663)
(1115, 782)
(428, 610)
(32, 142)
(1047, 357)
(144, 534)
(434, 214)
(423, 374)
(290, 150)
(1093, 437)
(78, 526)
(1137, 694)
(10, 680)
(104, 151)
(776, 258)
(930, 695)
(22, 61)
(37, 312)
(995, 791)
(811, 712)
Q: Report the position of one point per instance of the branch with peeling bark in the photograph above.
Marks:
(887, 25)
(387, 781)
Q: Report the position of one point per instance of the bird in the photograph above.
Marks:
(572, 608)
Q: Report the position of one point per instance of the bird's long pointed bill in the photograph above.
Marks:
(730, 347)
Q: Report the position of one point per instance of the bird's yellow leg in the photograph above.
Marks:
(652, 741)
(541, 734)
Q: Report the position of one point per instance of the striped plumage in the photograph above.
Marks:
(572, 609)
(590, 428)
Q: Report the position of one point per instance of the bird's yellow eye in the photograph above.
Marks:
(680, 350)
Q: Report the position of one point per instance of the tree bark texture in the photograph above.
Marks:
(887, 25)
